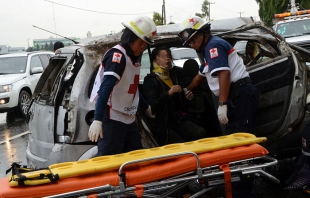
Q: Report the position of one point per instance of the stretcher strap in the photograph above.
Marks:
(139, 191)
(227, 179)
(17, 171)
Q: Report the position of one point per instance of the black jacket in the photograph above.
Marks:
(169, 111)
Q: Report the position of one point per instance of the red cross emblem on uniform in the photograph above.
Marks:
(191, 20)
(116, 57)
(213, 53)
(133, 87)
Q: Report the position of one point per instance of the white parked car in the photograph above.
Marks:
(19, 74)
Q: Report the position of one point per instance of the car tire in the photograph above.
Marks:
(23, 103)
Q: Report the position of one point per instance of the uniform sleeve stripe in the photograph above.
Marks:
(201, 74)
(213, 73)
(231, 51)
(113, 74)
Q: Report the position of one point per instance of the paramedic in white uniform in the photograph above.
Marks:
(226, 75)
(116, 91)
(228, 79)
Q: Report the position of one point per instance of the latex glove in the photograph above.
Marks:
(149, 112)
(95, 130)
(222, 114)
(188, 94)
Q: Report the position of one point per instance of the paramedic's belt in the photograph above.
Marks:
(234, 87)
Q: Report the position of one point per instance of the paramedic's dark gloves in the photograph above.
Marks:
(95, 130)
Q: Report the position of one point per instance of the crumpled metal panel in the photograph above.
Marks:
(41, 127)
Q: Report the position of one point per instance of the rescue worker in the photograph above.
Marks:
(226, 75)
(161, 90)
(117, 98)
(227, 78)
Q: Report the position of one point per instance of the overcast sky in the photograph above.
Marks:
(70, 18)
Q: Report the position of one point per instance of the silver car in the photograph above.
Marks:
(61, 112)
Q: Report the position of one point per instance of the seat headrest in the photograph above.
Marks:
(190, 68)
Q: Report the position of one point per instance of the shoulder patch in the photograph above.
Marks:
(213, 53)
(117, 57)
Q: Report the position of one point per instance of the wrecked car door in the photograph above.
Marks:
(52, 121)
(280, 75)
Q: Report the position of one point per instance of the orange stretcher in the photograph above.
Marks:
(140, 177)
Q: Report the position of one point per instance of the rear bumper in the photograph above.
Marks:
(60, 153)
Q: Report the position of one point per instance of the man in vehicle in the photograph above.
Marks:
(162, 91)
(227, 78)
(118, 95)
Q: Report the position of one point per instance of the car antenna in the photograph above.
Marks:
(75, 42)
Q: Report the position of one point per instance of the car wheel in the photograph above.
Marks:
(23, 103)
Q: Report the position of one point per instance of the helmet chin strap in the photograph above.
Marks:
(201, 47)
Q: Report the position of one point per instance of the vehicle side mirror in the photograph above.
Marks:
(36, 70)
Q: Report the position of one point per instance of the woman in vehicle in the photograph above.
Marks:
(172, 123)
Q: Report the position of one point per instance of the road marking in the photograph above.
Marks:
(16, 136)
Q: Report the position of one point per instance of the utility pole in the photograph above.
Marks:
(54, 17)
(164, 12)
(240, 13)
(210, 10)
(293, 6)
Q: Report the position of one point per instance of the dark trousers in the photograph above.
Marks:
(241, 112)
(118, 137)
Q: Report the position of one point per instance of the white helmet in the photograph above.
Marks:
(191, 26)
(144, 27)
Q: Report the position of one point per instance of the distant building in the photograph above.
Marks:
(16, 49)
(7, 49)
(47, 44)
(4, 49)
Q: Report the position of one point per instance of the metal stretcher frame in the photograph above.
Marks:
(173, 184)
(168, 172)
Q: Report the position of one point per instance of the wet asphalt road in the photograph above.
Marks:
(14, 140)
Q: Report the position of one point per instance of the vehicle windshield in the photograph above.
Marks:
(13, 65)
(294, 28)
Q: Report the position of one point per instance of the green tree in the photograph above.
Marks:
(204, 9)
(304, 4)
(30, 49)
(46, 46)
(51, 46)
(268, 8)
(157, 18)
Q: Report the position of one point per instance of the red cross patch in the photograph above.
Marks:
(213, 53)
(116, 57)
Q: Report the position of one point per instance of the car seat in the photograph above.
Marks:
(190, 70)
(202, 106)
